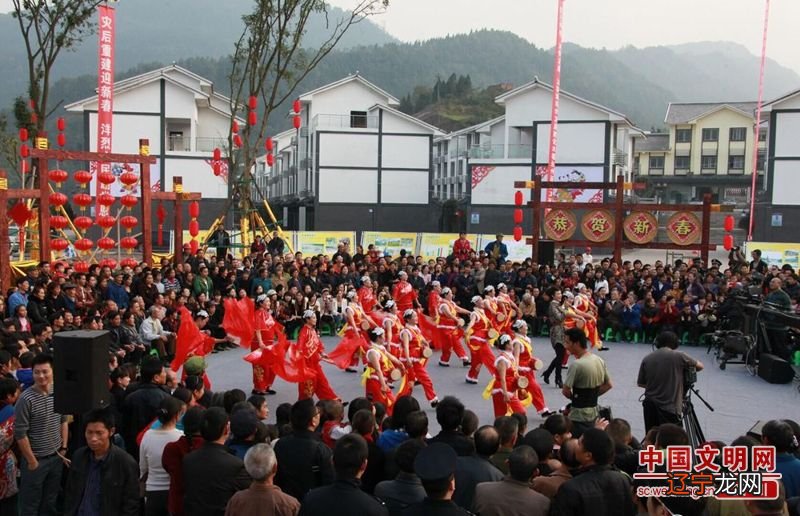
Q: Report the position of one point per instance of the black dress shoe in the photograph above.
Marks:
(546, 378)
(255, 392)
(559, 384)
(603, 348)
(271, 392)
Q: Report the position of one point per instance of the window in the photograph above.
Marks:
(683, 135)
(762, 158)
(710, 135)
(762, 134)
(681, 162)
(358, 119)
(708, 162)
(738, 134)
(736, 162)
(657, 162)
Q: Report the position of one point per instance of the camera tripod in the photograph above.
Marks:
(689, 417)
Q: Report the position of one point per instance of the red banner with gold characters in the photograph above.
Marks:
(684, 228)
(640, 227)
(598, 225)
(559, 225)
(105, 93)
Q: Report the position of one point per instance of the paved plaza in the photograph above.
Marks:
(739, 400)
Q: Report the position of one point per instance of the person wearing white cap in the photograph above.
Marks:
(507, 307)
(504, 385)
(380, 366)
(415, 349)
(403, 293)
(449, 329)
(311, 352)
(479, 333)
(523, 352)
(366, 296)
(434, 299)
(391, 325)
(266, 334)
(584, 307)
(355, 328)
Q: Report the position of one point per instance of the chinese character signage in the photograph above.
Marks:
(640, 227)
(105, 91)
(598, 225)
(559, 225)
(684, 228)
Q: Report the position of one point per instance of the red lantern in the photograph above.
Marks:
(58, 199)
(194, 209)
(252, 102)
(297, 121)
(24, 167)
(237, 140)
(106, 243)
(518, 198)
(23, 134)
(517, 216)
(62, 139)
(105, 221)
(128, 243)
(20, 213)
(105, 199)
(729, 223)
(82, 199)
(296, 106)
(58, 244)
(34, 118)
(129, 262)
(24, 150)
(58, 176)
(252, 118)
(83, 244)
(129, 178)
(83, 222)
(270, 159)
(268, 144)
(517, 233)
(235, 127)
(194, 228)
(194, 245)
(81, 267)
(58, 222)
(106, 177)
(108, 262)
(217, 154)
(129, 201)
(727, 242)
(61, 124)
(128, 222)
(82, 177)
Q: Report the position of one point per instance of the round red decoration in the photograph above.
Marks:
(34, 118)
(517, 233)
(640, 227)
(58, 244)
(268, 144)
(62, 139)
(129, 262)
(83, 177)
(683, 228)
(128, 222)
(105, 199)
(194, 228)
(106, 243)
(83, 244)
(128, 243)
(217, 154)
(194, 209)
(217, 168)
(83, 222)
(82, 199)
(235, 127)
(129, 201)
(61, 124)
(105, 221)
(297, 121)
(58, 199)
(252, 118)
(23, 134)
(270, 160)
(517, 216)
(727, 242)
(519, 198)
(81, 267)
(24, 150)
(559, 225)
(58, 222)
(194, 245)
(106, 177)
(729, 223)
(58, 176)
(252, 102)
(108, 262)
(296, 106)
(237, 140)
(20, 213)
(129, 178)
(598, 225)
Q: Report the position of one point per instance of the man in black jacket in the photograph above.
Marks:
(103, 479)
(212, 474)
(449, 413)
(142, 403)
(477, 468)
(304, 462)
(344, 497)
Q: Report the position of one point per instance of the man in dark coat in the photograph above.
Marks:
(212, 474)
(477, 468)
(103, 479)
(345, 497)
(436, 465)
(449, 413)
(141, 404)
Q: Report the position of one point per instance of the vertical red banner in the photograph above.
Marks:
(105, 93)
(551, 153)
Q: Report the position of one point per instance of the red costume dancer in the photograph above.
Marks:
(503, 386)
(584, 307)
(266, 335)
(528, 364)
(414, 351)
(380, 364)
(507, 307)
(391, 326)
(355, 341)
(310, 352)
(492, 308)
(366, 296)
(432, 321)
(480, 336)
(450, 329)
(403, 293)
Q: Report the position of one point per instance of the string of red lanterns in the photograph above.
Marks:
(194, 226)
(727, 240)
(519, 199)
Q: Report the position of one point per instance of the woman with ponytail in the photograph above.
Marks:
(151, 470)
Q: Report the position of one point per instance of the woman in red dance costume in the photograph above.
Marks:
(528, 364)
(503, 386)
(416, 352)
(507, 307)
(310, 352)
(356, 338)
(267, 331)
(450, 329)
(490, 307)
(380, 364)
(585, 308)
(480, 336)
(391, 325)
(366, 296)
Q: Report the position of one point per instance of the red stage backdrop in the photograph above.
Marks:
(105, 92)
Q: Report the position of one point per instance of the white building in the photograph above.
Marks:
(183, 118)
(356, 163)
(476, 167)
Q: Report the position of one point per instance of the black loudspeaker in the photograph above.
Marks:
(546, 254)
(80, 378)
(774, 369)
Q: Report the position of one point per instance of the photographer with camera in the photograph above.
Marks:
(661, 375)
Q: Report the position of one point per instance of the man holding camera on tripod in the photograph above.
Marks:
(662, 374)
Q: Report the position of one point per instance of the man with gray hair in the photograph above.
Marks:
(263, 496)
(152, 332)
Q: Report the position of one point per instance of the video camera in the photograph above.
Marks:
(689, 378)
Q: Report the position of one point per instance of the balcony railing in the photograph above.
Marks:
(323, 121)
(497, 151)
(204, 144)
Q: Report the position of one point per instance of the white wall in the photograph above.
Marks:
(404, 187)
(787, 135)
(144, 99)
(784, 183)
(128, 129)
(498, 186)
(348, 186)
(393, 123)
(211, 124)
(180, 103)
(536, 104)
(498, 133)
(198, 176)
(348, 150)
(577, 143)
(406, 152)
(351, 96)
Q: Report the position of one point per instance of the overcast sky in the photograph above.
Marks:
(605, 23)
